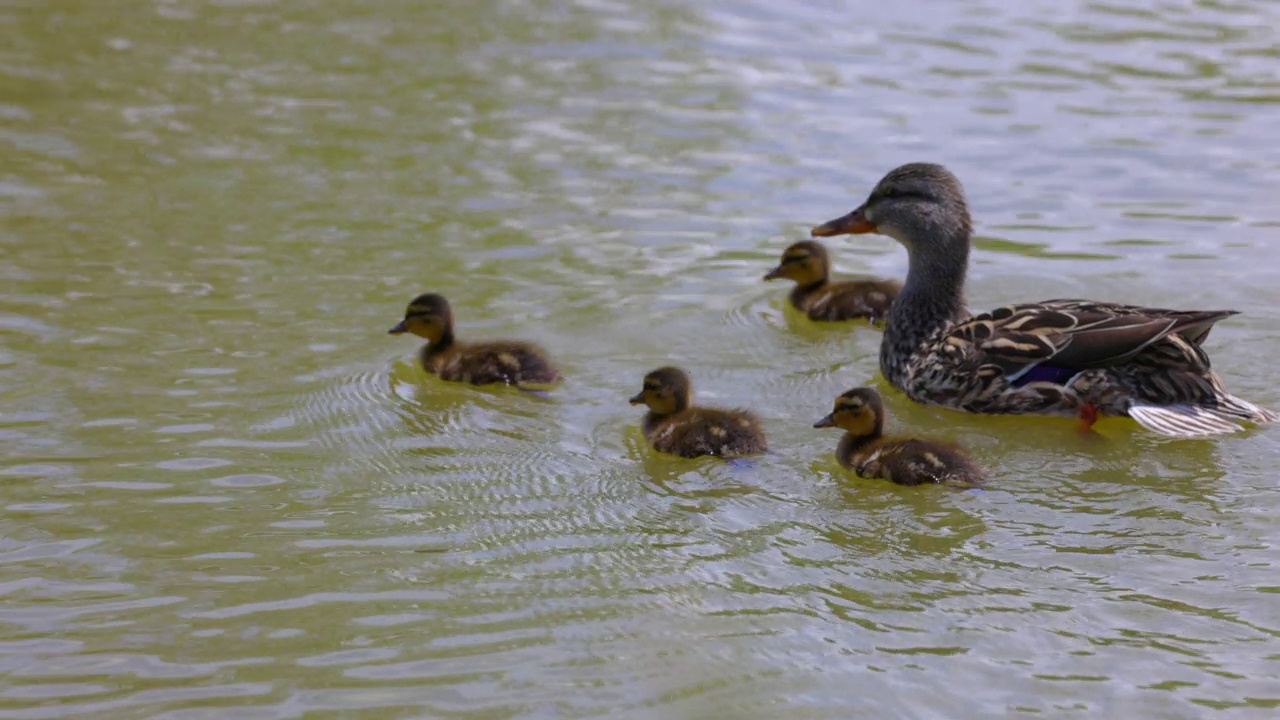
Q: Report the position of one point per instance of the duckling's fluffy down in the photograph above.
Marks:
(508, 362)
(694, 432)
(911, 462)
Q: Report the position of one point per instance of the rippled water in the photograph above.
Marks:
(227, 493)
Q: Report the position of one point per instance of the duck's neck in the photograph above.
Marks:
(653, 418)
(934, 290)
(802, 291)
(440, 344)
(851, 444)
(932, 299)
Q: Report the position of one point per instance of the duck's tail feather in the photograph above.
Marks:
(1183, 421)
(1199, 420)
(1230, 406)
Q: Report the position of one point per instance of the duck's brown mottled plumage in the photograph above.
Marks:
(673, 425)
(808, 264)
(509, 362)
(1058, 357)
(905, 461)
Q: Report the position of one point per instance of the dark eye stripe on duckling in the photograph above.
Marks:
(794, 258)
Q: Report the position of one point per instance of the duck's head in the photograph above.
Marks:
(666, 390)
(921, 205)
(428, 316)
(805, 262)
(859, 411)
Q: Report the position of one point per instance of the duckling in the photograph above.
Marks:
(504, 361)
(673, 425)
(905, 461)
(808, 264)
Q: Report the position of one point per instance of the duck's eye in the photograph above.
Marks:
(894, 193)
(795, 258)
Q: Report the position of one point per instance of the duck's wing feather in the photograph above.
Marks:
(1076, 334)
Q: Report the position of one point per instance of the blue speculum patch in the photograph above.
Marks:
(1045, 373)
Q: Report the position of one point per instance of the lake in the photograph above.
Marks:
(228, 493)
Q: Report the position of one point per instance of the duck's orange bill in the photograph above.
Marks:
(855, 223)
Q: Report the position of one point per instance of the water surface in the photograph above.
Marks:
(227, 493)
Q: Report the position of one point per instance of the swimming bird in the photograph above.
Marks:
(675, 425)
(905, 461)
(815, 295)
(510, 362)
(1056, 357)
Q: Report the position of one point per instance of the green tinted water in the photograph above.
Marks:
(227, 493)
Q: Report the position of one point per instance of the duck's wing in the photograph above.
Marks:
(1076, 334)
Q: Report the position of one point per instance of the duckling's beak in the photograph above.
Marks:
(855, 223)
(398, 329)
(828, 421)
(774, 274)
(637, 399)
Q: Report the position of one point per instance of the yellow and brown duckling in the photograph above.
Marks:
(674, 425)
(815, 295)
(905, 461)
(483, 363)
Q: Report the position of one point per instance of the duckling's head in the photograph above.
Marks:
(859, 411)
(666, 390)
(428, 316)
(805, 262)
(921, 205)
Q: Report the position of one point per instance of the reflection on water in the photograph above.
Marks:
(227, 493)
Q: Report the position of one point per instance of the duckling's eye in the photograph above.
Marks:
(795, 258)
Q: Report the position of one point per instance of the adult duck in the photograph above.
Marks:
(1058, 357)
